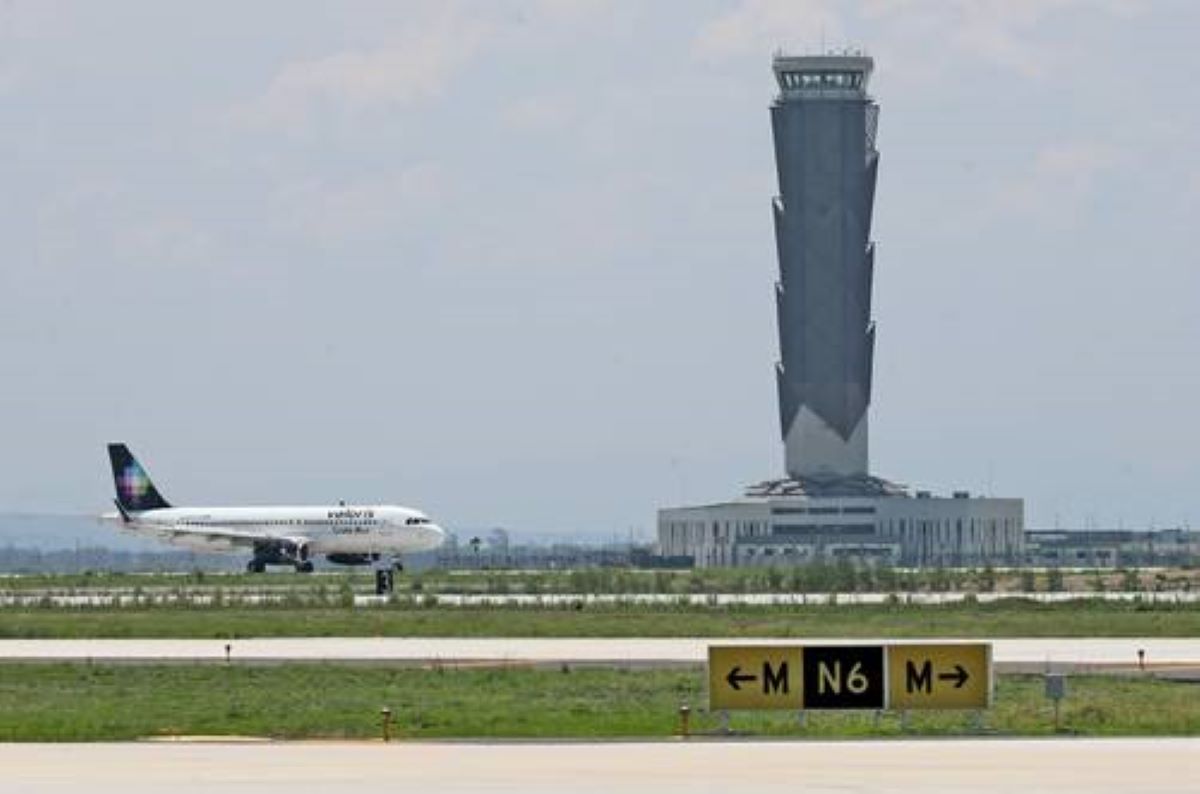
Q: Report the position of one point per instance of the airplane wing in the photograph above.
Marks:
(211, 537)
(233, 537)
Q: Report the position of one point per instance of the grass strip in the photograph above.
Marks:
(814, 577)
(78, 702)
(1007, 619)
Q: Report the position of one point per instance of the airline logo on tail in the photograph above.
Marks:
(133, 484)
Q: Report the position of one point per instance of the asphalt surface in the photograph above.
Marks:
(1101, 766)
(1032, 655)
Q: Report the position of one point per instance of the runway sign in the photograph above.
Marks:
(900, 676)
(754, 677)
(843, 677)
(950, 676)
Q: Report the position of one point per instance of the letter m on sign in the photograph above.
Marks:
(917, 679)
(775, 680)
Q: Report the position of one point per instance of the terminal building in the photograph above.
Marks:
(829, 506)
(1111, 548)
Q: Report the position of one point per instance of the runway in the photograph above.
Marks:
(1034, 654)
(1148, 766)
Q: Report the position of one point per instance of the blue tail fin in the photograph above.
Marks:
(135, 492)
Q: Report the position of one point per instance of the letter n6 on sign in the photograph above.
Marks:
(754, 677)
(843, 677)
(941, 676)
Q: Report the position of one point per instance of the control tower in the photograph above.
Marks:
(830, 507)
(824, 125)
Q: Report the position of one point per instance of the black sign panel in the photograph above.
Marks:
(843, 677)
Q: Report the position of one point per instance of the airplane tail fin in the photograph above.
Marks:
(135, 492)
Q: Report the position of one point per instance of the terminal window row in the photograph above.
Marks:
(823, 529)
(823, 511)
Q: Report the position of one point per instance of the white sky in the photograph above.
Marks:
(513, 261)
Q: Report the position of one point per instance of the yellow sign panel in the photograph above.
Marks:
(754, 677)
(942, 676)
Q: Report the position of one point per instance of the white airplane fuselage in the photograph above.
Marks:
(339, 529)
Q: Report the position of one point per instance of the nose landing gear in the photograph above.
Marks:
(385, 573)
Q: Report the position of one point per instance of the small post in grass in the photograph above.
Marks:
(386, 713)
(1056, 690)
(685, 714)
(1142, 659)
(228, 651)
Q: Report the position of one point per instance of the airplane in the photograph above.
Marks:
(345, 534)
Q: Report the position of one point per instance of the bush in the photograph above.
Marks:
(1054, 580)
(774, 579)
(987, 580)
(1131, 582)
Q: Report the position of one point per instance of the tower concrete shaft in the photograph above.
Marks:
(824, 126)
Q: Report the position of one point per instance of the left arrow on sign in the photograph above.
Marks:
(735, 679)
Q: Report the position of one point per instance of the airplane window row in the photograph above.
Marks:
(275, 523)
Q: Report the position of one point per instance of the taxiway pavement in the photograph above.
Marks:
(980, 766)
(1058, 654)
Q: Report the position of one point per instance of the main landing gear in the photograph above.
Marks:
(281, 551)
(259, 566)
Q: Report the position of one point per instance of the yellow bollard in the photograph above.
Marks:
(386, 713)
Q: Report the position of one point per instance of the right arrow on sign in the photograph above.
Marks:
(959, 676)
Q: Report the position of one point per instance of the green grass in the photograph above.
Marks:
(1006, 619)
(813, 578)
(64, 702)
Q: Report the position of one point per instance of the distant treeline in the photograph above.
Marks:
(98, 558)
